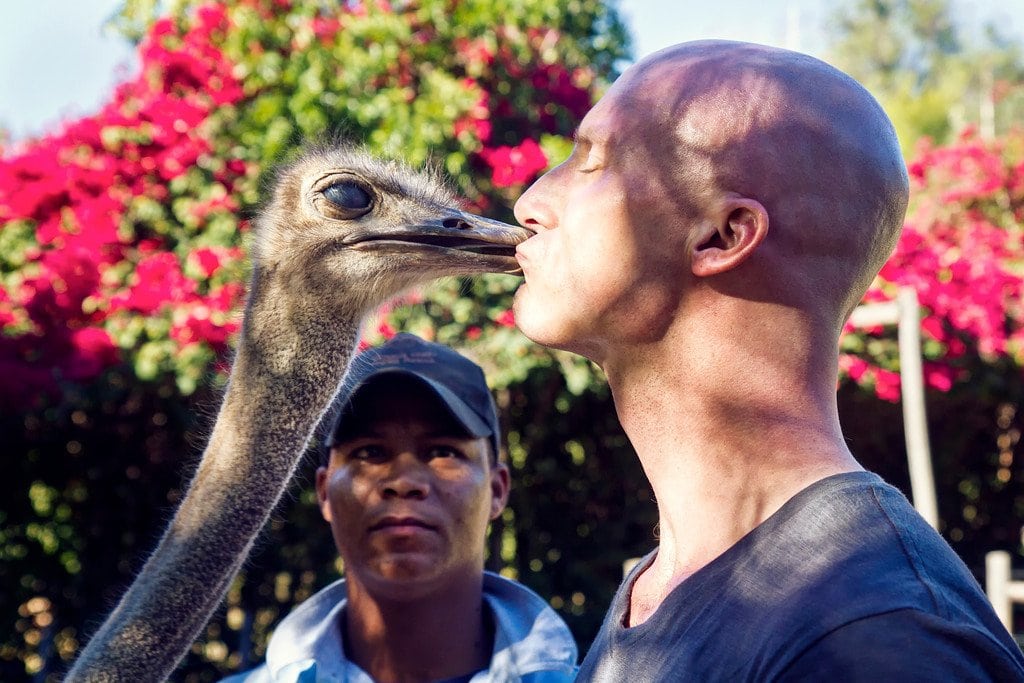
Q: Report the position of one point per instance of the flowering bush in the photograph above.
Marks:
(961, 250)
(123, 238)
(122, 233)
(120, 230)
(122, 262)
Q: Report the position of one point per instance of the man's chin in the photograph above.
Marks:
(406, 577)
(547, 328)
(405, 566)
(537, 322)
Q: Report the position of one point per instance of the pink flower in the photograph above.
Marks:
(506, 319)
(887, 385)
(480, 128)
(515, 165)
(159, 281)
(326, 28)
(477, 52)
(932, 326)
(226, 297)
(198, 322)
(939, 376)
(853, 366)
(92, 351)
(207, 260)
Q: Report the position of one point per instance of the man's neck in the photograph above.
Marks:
(725, 441)
(443, 635)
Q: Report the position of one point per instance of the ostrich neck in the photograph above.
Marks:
(290, 361)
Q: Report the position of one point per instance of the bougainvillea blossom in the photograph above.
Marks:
(961, 251)
(515, 165)
(78, 186)
(133, 213)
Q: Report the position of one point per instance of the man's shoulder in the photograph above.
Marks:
(530, 639)
(908, 645)
(851, 549)
(844, 550)
(855, 546)
(866, 572)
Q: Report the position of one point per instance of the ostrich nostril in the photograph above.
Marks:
(455, 224)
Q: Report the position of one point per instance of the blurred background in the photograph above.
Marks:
(134, 137)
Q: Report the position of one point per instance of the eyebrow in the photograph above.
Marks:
(589, 139)
(581, 138)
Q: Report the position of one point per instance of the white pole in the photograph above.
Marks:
(915, 426)
(997, 582)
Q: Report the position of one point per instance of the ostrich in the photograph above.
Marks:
(342, 233)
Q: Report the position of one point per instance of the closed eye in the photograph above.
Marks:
(593, 161)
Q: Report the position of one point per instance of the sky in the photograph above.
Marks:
(56, 62)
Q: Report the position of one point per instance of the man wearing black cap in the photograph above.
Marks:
(410, 481)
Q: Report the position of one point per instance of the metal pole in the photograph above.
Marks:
(915, 426)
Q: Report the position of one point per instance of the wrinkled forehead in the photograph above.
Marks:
(665, 116)
(639, 105)
(706, 102)
(707, 98)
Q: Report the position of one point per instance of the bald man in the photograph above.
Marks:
(725, 207)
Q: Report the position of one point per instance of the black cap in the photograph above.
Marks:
(458, 382)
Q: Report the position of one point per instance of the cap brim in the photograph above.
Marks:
(459, 410)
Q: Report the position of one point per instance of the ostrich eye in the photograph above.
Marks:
(348, 196)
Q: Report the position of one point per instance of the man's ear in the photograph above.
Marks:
(321, 493)
(742, 226)
(500, 483)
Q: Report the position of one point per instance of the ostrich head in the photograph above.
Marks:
(340, 216)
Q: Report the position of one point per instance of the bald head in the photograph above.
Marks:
(711, 174)
(791, 132)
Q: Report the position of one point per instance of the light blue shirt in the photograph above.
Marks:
(531, 642)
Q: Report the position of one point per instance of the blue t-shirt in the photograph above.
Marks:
(846, 582)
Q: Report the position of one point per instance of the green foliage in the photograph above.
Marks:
(101, 461)
(99, 467)
(928, 76)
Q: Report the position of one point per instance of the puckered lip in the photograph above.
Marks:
(389, 521)
(522, 258)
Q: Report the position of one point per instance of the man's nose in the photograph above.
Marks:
(535, 208)
(407, 477)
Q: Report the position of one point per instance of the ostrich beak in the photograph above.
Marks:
(474, 243)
